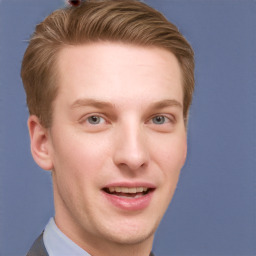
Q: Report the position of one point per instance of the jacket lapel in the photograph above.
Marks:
(38, 248)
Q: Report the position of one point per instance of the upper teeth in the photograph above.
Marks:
(128, 190)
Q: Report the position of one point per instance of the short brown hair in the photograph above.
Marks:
(128, 21)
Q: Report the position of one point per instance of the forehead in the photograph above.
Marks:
(115, 70)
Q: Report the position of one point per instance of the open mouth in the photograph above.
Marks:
(134, 192)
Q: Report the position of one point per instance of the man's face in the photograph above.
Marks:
(117, 142)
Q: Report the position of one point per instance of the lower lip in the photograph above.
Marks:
(130, 204)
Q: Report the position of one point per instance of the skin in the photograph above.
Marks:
(137, 135)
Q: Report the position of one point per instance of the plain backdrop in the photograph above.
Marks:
(214, 209)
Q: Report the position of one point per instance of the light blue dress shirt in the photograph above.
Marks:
(58, 244)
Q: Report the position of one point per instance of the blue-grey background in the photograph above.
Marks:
(214, 209)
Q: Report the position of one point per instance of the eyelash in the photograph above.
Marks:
(87, 118)
(167, 119)
(95, 116)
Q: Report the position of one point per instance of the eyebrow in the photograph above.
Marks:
(105, 104)
(166, 103)
(92, 102)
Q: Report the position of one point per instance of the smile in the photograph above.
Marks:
(129, 198)
(127, 192)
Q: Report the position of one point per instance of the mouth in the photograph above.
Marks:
(128, 192)
(129, 198)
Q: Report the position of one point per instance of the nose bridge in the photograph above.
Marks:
(131, 149)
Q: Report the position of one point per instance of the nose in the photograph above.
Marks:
(131, 149)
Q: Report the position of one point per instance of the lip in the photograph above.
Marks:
(130, 204)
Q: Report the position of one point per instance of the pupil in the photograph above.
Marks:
(94, 120)
(159, 119)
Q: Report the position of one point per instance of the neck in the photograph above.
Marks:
(104, 248)
(96, 246)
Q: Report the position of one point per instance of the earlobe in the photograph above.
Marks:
(39, 143)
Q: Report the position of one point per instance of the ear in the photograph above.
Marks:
(39, 143)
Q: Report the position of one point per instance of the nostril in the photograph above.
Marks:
(131, 148)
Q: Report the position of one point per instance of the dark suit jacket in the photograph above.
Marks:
(38, 248)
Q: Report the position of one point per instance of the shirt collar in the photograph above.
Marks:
(58, 244)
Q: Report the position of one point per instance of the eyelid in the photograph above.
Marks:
(87, 116)
(99, 118)
(168, 116)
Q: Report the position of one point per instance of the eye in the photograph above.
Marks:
(95, 120)
(160, 120)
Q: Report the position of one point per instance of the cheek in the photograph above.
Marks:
(170, 154)
(76, 169)
(79, 155)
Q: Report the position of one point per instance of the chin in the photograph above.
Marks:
(132, 239)
(129, 234)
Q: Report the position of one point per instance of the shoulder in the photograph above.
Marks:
(38, 248)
